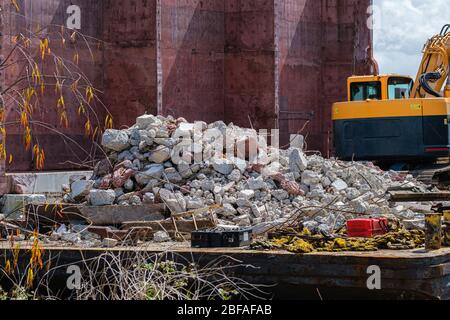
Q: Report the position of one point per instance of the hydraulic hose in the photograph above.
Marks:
(445, 29)
(430, 76)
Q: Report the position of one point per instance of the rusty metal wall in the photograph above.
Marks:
(122, 37)
(250, 63)
(271, 63)
(130, 65)
(320, 44)
(192, 59)
(51, 14)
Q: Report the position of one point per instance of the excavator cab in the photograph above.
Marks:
(386, 87)
(381, 121)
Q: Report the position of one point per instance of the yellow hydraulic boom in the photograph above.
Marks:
(434, 68)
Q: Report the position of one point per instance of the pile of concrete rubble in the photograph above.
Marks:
(190, 166)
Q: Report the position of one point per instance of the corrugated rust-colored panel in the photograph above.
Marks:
(130, 73)
(300, 54)
(192, 59)
(122, 66)
(52, 14)
(320, 44)
(250, 64)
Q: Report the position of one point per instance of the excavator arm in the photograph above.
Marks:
(434, 68)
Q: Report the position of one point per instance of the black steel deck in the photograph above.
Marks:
(422, 274)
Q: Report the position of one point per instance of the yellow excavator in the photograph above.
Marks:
(399, 123)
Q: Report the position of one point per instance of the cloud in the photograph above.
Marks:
(401, 29)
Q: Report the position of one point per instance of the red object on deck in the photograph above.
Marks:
(366, 228)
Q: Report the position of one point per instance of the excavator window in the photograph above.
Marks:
(361, 91)
(399, 88)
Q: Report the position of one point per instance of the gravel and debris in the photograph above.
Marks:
(189, 166)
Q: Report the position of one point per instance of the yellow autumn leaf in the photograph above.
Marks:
(27, 138)
(76, 58)
(87, 128)
(30, 277)
(8, 269)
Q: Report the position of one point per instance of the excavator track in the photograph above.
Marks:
(433, 174)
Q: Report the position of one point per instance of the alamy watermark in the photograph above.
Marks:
(73, 282)
(374, 280)
(374, 21)
(73, 22)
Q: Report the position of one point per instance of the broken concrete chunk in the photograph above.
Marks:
(194, 204)
(185, 170)
(76, 177)
(256, 183)
(147, 121)
(119, 192)
(172, 175)
(148, 198)
(235, 175)
(310, 178)
(239, 163)
(116, 140)
(339, 185)
(280, 194)
(135, 201)
(162, 133)
(242, 202)
(228, 210)
(207, 185)
(23, 184)
(129, 185)
(153, 171)
(102, 197)
(246, 194)
(174, 201)
(222, 166)
(352, 193)
(80, 189)
(414, 224)
(257, 211)
(360, 206)
(183, 132)
(243, 220)
(125, 155)
(167, 142)
(297, 160)
(160, 155)
(297, 141)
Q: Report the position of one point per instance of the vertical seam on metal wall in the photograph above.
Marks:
(159, 77)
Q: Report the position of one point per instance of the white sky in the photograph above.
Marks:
(401, 28)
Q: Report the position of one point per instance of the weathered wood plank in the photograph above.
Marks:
(183, 226)
(116, 215)
(407, 196)
(49, 214)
